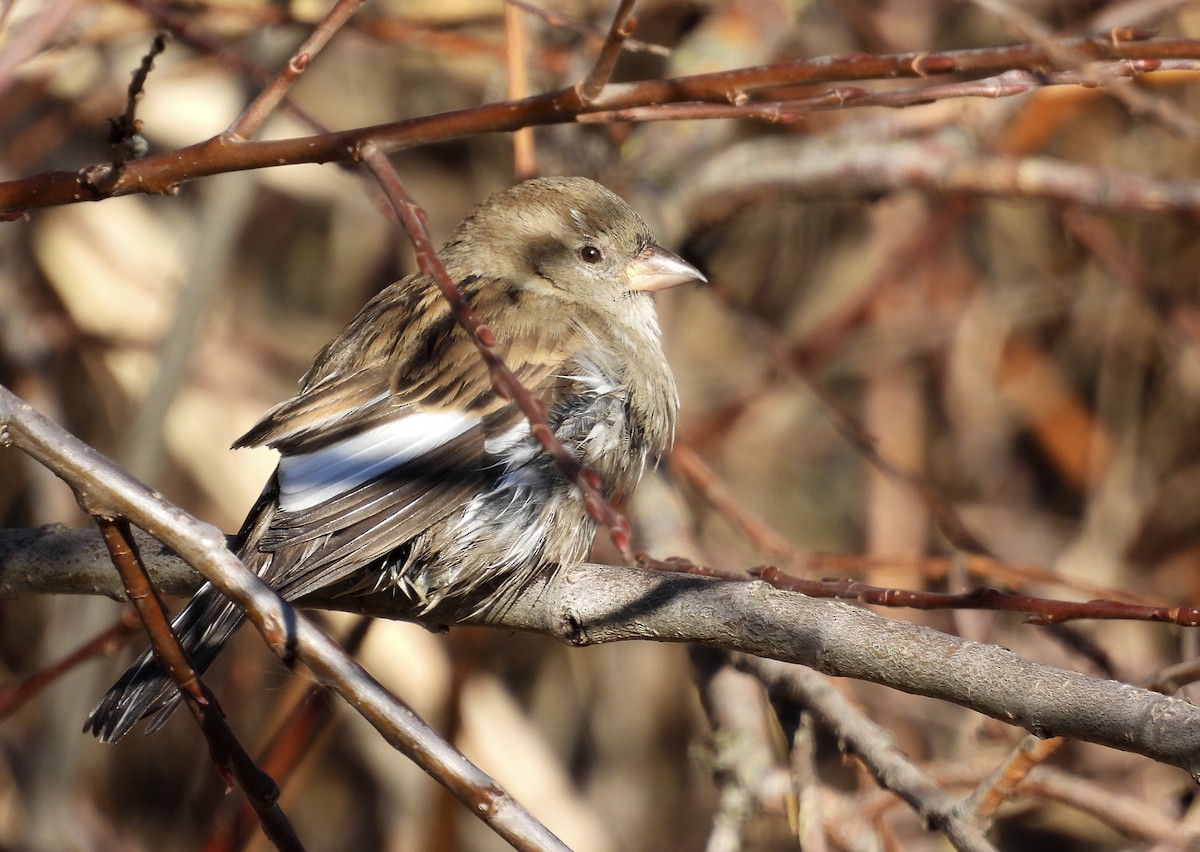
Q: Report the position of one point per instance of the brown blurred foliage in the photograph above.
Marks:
(1036, 363)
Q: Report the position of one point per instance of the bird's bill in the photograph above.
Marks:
(657, 269)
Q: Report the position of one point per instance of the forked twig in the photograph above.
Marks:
(124, 131)
(593, 84)
(268, 99)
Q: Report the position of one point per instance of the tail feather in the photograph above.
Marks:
(202, 627)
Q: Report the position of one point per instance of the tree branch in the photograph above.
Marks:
(743, 88)
(108, 490)
(589, 604)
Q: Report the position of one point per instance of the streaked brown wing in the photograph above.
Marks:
(320, 546)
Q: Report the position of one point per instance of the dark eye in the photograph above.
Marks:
(591, 254)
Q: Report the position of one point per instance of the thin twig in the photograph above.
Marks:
(187, 31)
(287, 746)
(859, 736)
(622, 26)
(163, 173)
(12, 696)
(1135, 100)
(125, 131)
(230, 758)
(504, 381)
(268, 99)
(1042, 611)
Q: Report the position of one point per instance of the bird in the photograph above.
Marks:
(401, 470)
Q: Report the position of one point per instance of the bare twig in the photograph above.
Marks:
(106, 642)
(124, 132)
(230, 758)
(861, 737)
(623, 23)
(1138, 102)
(1044, 611)
(291, 741)
(186, 30)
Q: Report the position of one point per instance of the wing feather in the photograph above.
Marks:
(390, 432)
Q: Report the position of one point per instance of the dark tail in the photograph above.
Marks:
(203, 627)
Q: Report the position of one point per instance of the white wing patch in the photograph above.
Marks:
(309, 479)
(508, 445)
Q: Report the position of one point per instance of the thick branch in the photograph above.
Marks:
(593, 604)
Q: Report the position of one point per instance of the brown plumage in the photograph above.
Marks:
(402, 470)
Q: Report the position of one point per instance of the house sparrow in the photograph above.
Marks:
(402, 470)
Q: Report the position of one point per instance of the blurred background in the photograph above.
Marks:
(1028, 367)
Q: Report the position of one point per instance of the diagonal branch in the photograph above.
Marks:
(622, 27)
(230, 758)
(115, 493)
(504, 381)
(268, 99)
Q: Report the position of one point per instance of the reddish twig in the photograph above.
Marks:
(124, 131)
(164, 172)
(593, 84)
(1043, 611)
(504, 382)
(772, 112)
(230, 758)
(103, 644)
(291, 742)
(785, 105)
(269, 98)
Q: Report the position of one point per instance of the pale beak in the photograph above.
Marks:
(657, 269)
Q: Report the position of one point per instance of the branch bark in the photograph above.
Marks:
(588, 604)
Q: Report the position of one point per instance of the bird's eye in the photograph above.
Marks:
(591, 254)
